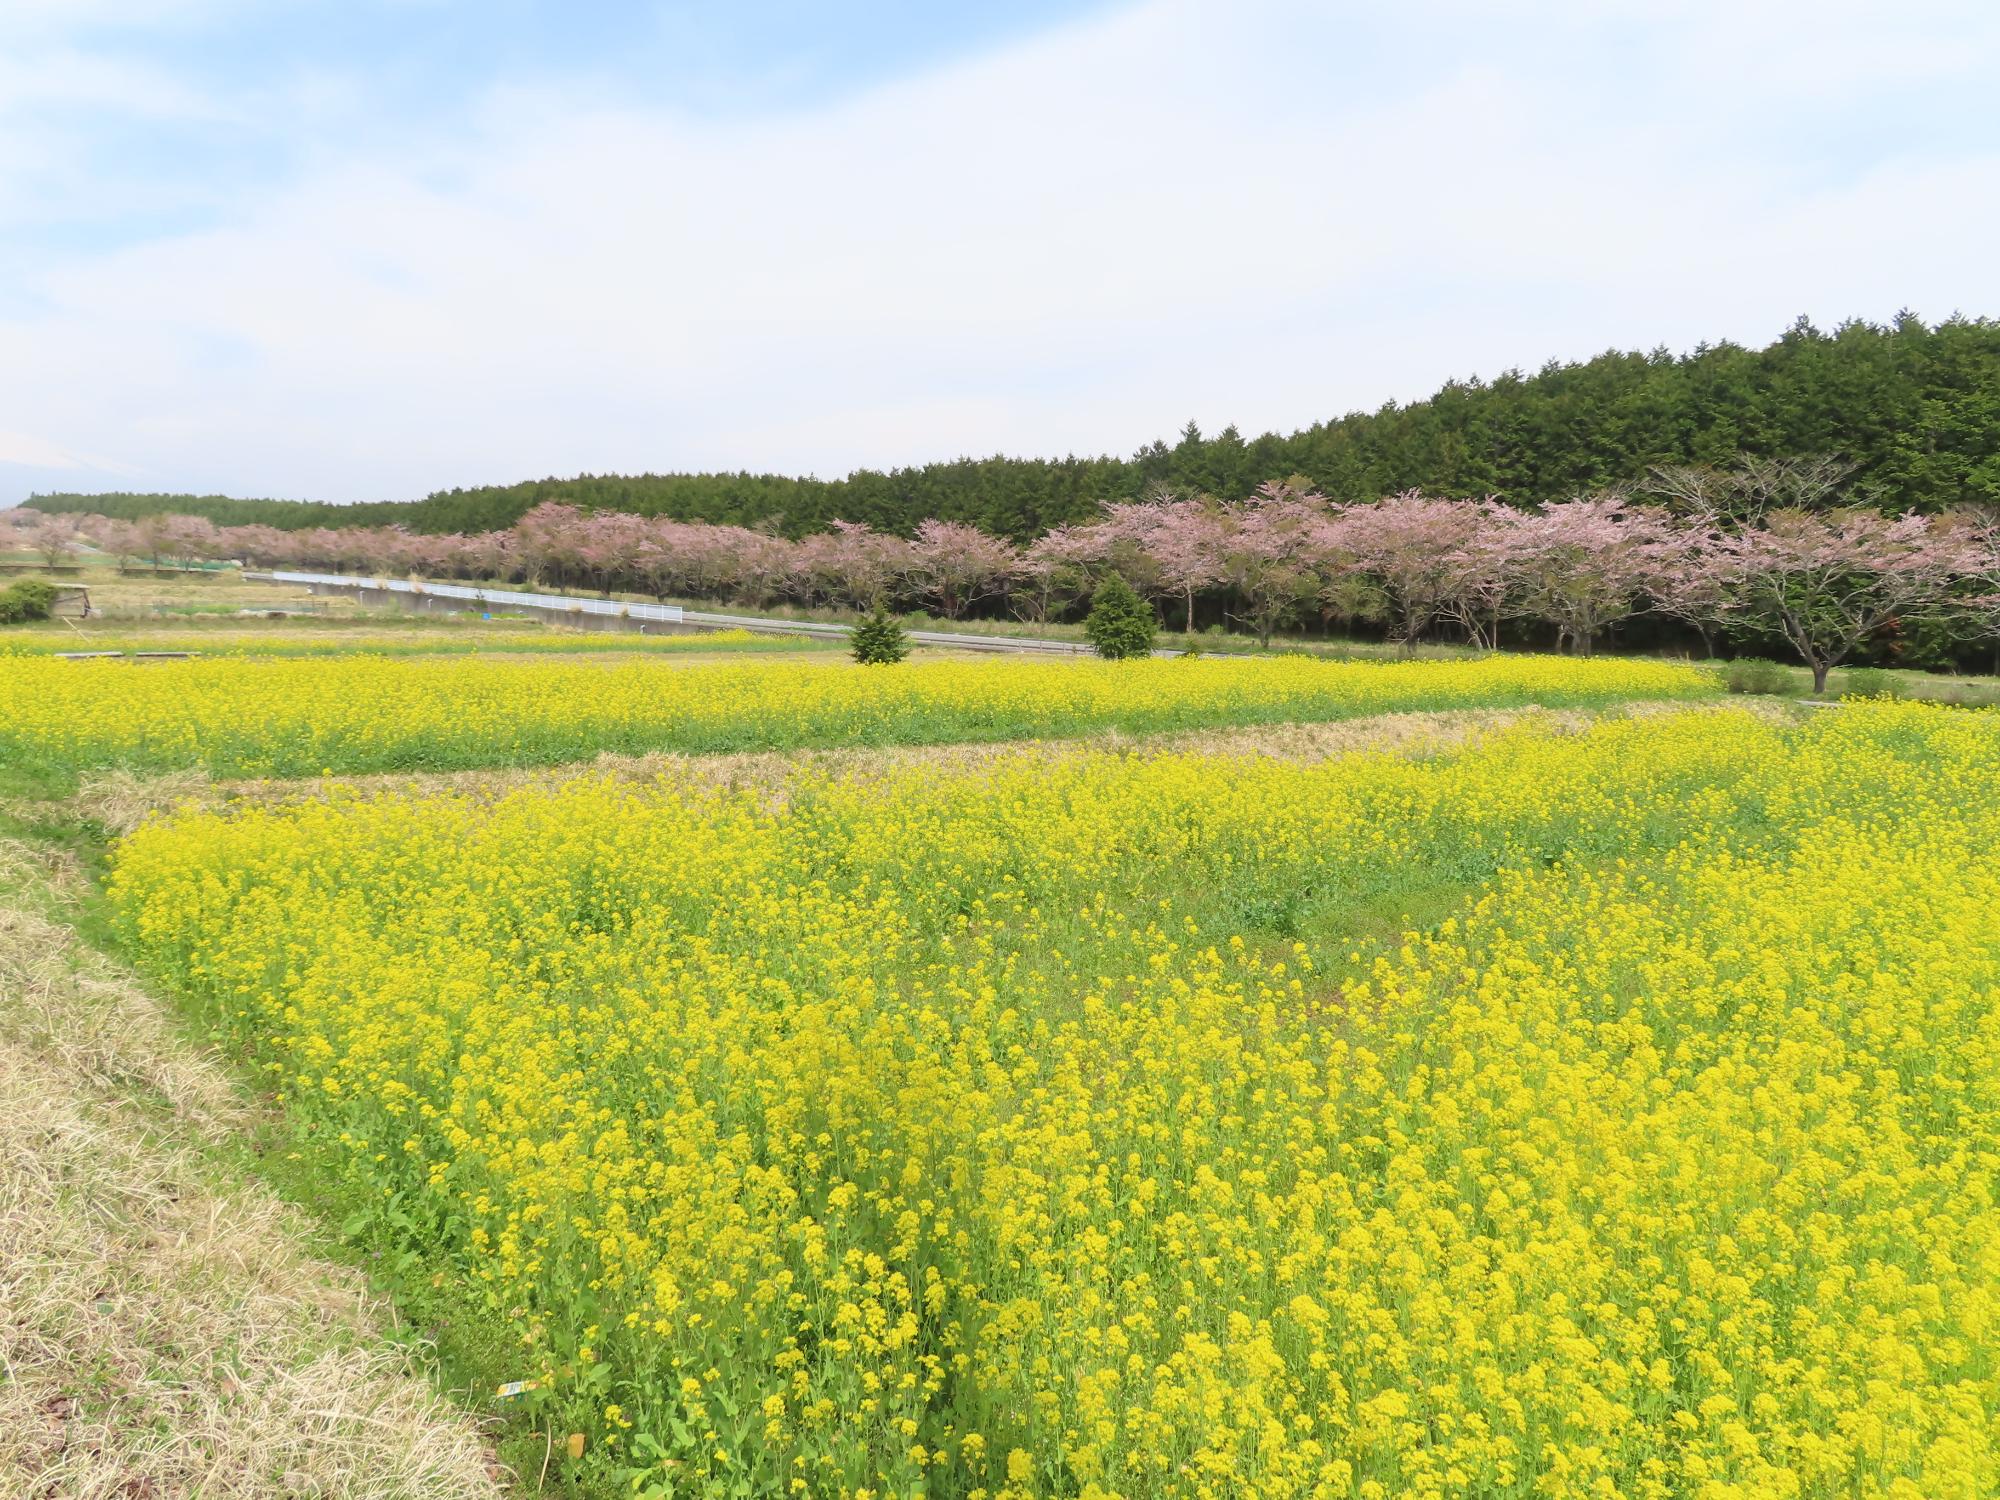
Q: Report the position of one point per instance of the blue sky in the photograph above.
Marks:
(367, 249)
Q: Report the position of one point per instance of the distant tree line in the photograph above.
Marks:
(1914, 407)
(1772, 551)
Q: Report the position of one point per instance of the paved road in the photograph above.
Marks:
(1020, 645)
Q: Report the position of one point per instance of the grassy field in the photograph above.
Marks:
(223, 612)
(194, 595)
(262, 717)
(1091, 1127)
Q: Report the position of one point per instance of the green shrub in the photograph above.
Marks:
(1120, 623)
(879, 640)
(1871, 682)
(29, 599)
(1753, 674)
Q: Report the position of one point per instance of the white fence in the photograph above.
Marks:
(669, 614)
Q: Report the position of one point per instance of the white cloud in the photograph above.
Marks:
(66, 19)
(1234, 212)
(23, 450)
(34, 452)
(69, 78)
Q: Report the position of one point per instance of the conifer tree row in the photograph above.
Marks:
(1914, 406)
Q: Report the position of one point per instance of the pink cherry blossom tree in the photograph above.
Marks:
(1975, 530)
(489, 555)
(1346, 592)
(116, 537)
(327, 547)
(1179, 539)
(863, 566)
(1269, 551)
(1685, 578)
(55, 537)
(1055, 571)
(955, 566)
(1483, 572)
(189, 539)
(14, 528)
(751, 565)
(810, 577)
(372, 550)
(606, 546)
(385, 550)
(660, 565)
(1421, 553)
(1827, 581)
(1583, 565)
(545, 539)
(435, 556)
(706, 557)
(263, 546)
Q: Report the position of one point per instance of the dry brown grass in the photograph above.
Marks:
(119, 801)
(162, 1332)
(146, 598)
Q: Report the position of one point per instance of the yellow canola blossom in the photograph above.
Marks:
(1087, 1129)
(276, 717)
(430, 637)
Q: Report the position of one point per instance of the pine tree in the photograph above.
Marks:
(1120, 624)
(880, 640)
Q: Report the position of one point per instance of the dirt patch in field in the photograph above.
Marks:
(166, 1332)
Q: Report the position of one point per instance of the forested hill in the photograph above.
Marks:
(1916, 405)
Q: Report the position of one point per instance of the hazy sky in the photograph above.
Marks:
(367, 248)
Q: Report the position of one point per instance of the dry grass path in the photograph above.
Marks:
(119, 800)
(165, 1331)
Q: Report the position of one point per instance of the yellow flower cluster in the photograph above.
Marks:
(427, 638)
(261, 717)
(1087, 1128)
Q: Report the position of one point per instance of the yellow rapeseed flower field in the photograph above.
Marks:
(416, 637)
(277, 717)
(1085, 1128)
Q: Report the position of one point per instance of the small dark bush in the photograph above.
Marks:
(879, 640)
(1120, 623)
(1751, 674)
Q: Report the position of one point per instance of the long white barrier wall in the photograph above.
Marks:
(671, 614)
